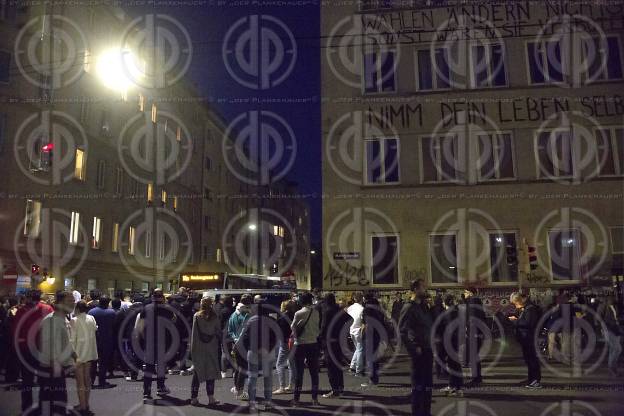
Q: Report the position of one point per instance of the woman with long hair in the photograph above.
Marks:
(83, 329)
(205, 350)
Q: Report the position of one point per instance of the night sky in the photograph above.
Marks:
(208, 26)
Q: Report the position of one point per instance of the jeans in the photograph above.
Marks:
(422, 382)
(210, 387)
(104, 363)
(148, 376)
(260, 361)
(615, 349)
(530, 358)
(306, 353)
(284, 359)
(240, 372)
(357, 361)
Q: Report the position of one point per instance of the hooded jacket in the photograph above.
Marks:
(237, 321)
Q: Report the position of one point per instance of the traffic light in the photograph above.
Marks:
(46, 156)
(512, 255)
(34, 269)
(532, 252)
(274, 269)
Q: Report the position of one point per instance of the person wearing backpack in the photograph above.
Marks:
(306, 330)
(526, 325)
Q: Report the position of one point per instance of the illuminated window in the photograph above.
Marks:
(163, 197)
(74, 228)
(148, 244)
(80, 167)
(179, 134)
(161, 246)
(131, 240)
(141, 102)
(154, 113)
(175, 203)
(96, 236)
(219, 258)
(150, 193)
(115, 241)
(33, 219)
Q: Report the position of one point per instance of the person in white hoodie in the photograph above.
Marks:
(355, 311)
(82, 338)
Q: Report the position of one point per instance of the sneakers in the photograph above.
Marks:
(331, 394)
(194, 401)
(128, 378)
(162, 391)
(147, 397)
(280, 391)
(268, 406)
(446, 390)
(234, 391)
(223, 374)
(253, 407)
(534, 385)
(290, 389)
(456, 393)
(243, 396)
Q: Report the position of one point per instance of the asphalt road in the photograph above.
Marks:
(565, 393)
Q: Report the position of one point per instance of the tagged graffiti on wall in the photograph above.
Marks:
(346, 275)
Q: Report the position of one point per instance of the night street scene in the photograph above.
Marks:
(311, 207)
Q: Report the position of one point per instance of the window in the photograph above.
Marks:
(115, 239)
(74, 229)
(545, 62)
(487, 66)
(204, 253)
(496, 160)
(5, 66)
(91, 284)
(503, 257)
(162, 245)
(148, 244)
(564, 250)
(602, 59)
(101, 174)
(443, 258)
(68, 283)
(150, 193)
(385, 258)
(433, 69)
(175, 204)
(80, 169)
(440, 159)
(617, 239)
(87, 61)
(610, 152)
(32, 221)
(382, 161)
(163, 197)
(379, 71)
(119, 181)
(219, 256)
(131, 240)
(554, 153)
(96, 235)
(154, 113)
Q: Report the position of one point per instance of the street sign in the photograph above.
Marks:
(352, 255)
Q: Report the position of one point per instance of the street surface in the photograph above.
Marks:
(501, 394)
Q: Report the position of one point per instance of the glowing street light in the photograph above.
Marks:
(118, 69)
(252, 227)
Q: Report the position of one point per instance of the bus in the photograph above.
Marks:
(273, 288)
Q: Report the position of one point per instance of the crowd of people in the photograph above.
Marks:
(92, 338)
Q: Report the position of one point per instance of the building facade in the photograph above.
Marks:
(110, 177)
(472, 144)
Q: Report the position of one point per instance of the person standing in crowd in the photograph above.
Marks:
(334, 320)
(224, 312)
(235, 328)
(93, 299)
(284, 362)
(526, 326)
(83, 340)
(105, 319)
(373, 327)
(56, 355)
(397, 306)
(156, 339)
(11, 366)
(436, 312)
(612, 332)
(25, 341)
(259, 338)
(125, 321)
(306, 330)
(450, 344)
(205, 340)
(355, 311)
(415, 328)
(123, 303)
(474, 321)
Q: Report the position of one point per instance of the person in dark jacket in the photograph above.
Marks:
(526, 326)
(374, 331)
(415, 328)
(224, 308)
(447, 330)
(437, 310)
(105, 319)
(334, 327)
(612, 331)
(474, 322)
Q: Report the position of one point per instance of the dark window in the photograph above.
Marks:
(379, 71)
(504, 257)
(433, 74)
(382, 161)
(495, 157)
(385, 260)
(443, 258)
(564, 254)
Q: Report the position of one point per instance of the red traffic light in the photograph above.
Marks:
(35, 269)
(46, 148)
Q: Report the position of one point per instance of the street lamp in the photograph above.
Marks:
(118, 69)
(252, 227)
